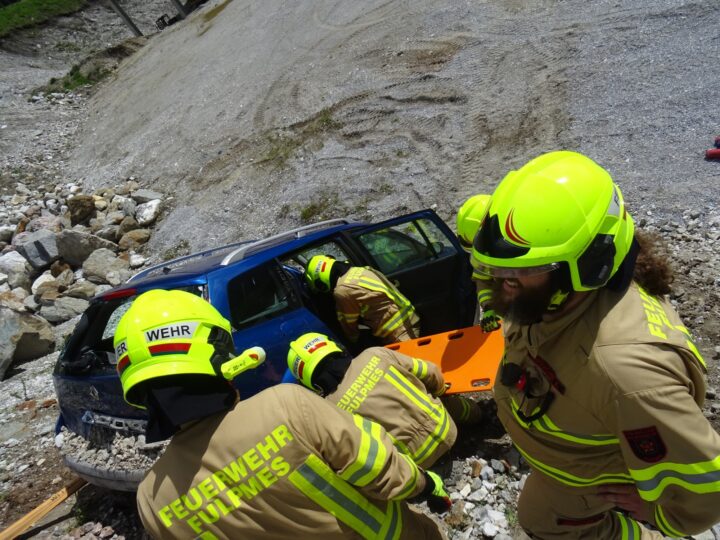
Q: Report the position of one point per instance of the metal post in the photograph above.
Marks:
(125, 17)
(180, 8)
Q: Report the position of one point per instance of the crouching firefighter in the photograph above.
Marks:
(469, 218)
(284, 464)
(396, 391)
(601, 386)
(363, 294)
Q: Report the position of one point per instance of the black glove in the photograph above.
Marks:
(434, 493)
(489, 321)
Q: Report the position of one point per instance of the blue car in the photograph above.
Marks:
(259, 287)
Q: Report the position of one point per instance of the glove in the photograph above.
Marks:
(442, 390)
(438, 500)
(490, 321)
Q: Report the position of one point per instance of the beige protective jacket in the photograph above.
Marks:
(284, 464)
(628, 386)
(396, 391)
(364, 294)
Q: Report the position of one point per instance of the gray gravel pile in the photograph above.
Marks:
(121, 453)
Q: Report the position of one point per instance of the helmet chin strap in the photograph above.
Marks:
(557, 300)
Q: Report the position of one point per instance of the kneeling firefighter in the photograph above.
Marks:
(396, 391)
(284, 464)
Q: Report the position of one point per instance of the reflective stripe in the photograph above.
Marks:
(371, 457)
(664, 526)
(358, 276)
(434, 440)
(546, 425)
(349, 317)
(412, 484)
(629, 528)
(572, 480)
(466, 409)
(419, 368)
(320, 484)
(421, 400)
(411, 391)
(396, 320)
(691, 345)
(702, 477)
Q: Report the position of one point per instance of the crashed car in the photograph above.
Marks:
(259, 287)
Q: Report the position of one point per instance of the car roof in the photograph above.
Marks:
(191, 268)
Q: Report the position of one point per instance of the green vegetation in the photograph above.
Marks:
(31, 12)
(67, 46)
(282, 146)
(77, 77)
(324, 206)
(178, 250)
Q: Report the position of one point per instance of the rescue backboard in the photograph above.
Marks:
(468, 357)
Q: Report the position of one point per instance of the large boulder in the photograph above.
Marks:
(82, 208)
(23, 337)
(76, 246)
(39, 248)
(102, 266)
(63, 309)
(134, 239)
(17, 269)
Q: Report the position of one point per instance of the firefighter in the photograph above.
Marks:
(469, 217)
(398, 392)
(284, 464)
(601, 386)
(363, 294)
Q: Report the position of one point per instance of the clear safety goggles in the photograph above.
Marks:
(504, 272)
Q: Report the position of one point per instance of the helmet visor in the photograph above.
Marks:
(467, 246)
(504, 272)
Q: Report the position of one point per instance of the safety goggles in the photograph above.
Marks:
(500, 272)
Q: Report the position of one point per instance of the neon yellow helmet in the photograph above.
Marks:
(306, 352)
(561, 207)
(317, 273)
(173, 333)
(469, 217)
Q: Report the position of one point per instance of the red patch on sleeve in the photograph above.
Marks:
(646, 444)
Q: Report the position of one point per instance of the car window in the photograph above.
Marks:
(299, 259)
(406, 245)
(124, 305)
(257, 296)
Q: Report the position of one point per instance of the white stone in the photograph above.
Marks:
(148, 212)
(489, 529)
(45, 277)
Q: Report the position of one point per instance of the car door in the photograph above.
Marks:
(265, 310)
(422, 256)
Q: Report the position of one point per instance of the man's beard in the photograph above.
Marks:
(526, 307)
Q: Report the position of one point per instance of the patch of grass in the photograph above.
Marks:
(76, 78)
(178, 250)
(512, 517)
(282, 146)
(324, 206)
(67, 46)
(31, 12)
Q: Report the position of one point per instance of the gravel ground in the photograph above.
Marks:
(439, 102)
